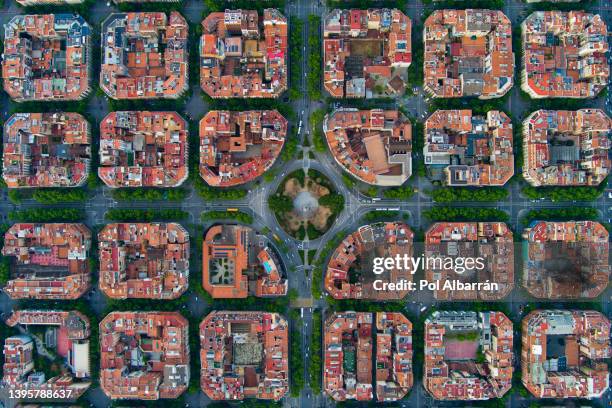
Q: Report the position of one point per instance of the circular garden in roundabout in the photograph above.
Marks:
(306, 204)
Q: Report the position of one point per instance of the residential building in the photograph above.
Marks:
(46, 150)
(349, 339)
(468, 355)
(144, 355)
(47, 57)
(237, 262)
(465, 150)
(366, 53)
(394, 351)
(238, 147)
(51, 261)
(350, 273)
(492, 242)
(563, 354)
(244, 55)
(566, 148)
(66, 335)
(144, 261)
(143, 149)
(374, 146)
(564, 54)
(244, 355)
(566, 259)
(144, 55)
(468, 53)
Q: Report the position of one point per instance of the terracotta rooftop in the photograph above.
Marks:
(348, 345)
(468, 355)
(564, 54)
(238, 147)
(149, 261)
(566, 259)
(465, 150)
(353, 260)
(144, 55)
(46, 150)
(491, 241)
(244, 355)
(468, 53)
(244, 55)
(143, 149)
(238, 262)
(66, 335)
(366, 53)
(144, 355)
(51, 261)
(566, 148)
(564, 353)
(46, 57)
(374, 146)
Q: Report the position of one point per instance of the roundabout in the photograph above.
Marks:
(306, 204)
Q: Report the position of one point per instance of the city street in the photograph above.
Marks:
(357, 204)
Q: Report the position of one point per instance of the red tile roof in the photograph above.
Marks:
(47, 57)
(468, 53)
(149, 261)
(564, 54)
(144, 55)
(374, 146)
(243, 56)
(244, 355)
(366, 53)
(51, 260)
(46, 150)
(238, 147)
(143, 149)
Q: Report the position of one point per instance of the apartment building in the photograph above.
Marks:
(144, 55)
(468, 53)
(366, 53)
(564, 54)
(565, 259)
(143, 149)
(465, 150)
(144, 355)
(563, 354)
(244, 355)
(566, 148)
(348, 347)
(144, 261)
(238, 262)
(350, 273)
(374, 146)
(49, 261)
(46, 150)
(468, 355)
(238, 147)
(47, 57)
(492, 242)
(66, 334)
(243, 54)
